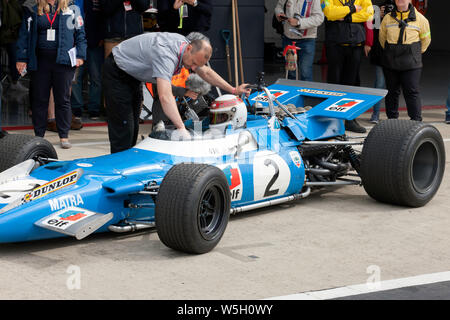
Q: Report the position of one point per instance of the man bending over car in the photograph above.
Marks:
(152, 57)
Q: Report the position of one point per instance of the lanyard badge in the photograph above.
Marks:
(51, 33)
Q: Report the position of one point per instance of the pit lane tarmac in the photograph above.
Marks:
(336, 238)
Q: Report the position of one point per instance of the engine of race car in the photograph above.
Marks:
(326, 163)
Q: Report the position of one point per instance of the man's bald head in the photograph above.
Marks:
(203, 46)
(197, 54)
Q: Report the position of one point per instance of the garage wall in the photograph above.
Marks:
(251, 24)
(438, 15)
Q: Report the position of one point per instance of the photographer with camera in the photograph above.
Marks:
(302, 17)
(404, 36)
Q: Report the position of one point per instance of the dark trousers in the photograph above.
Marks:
(343, 64)
(123, 99)
(408, 81)
(59, 77)
(12, 59)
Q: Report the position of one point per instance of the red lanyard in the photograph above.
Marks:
(53, 20)
(180, 58)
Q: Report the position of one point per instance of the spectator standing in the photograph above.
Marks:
(47, 34)
(123, 20)
(94, 28)
(302, 17)
(184, 16)
(11, 17)
(345, 37)
(375, 59)
(405, 36)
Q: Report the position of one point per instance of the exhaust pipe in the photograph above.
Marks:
(131, 227)
(271, 202)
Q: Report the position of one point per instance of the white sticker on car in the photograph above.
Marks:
(344, 105)
(66, 218)
(271, 175)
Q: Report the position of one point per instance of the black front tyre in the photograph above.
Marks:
(16, 148)
(192, 208)
(403, 162)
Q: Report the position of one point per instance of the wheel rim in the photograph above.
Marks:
(425, 165)
(210, 213)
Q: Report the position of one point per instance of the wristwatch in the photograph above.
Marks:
(195, 3)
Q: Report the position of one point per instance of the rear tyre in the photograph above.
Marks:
(403, 162)
(192, 208)
(16, 148)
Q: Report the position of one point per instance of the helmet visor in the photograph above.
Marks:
(220, 117)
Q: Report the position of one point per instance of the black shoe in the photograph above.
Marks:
(352, 125)
(77, 112)
(94, 115)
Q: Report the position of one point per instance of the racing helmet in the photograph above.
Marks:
(225, 110)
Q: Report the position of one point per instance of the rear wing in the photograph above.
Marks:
(327, 100)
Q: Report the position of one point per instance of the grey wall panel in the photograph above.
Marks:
(251, 23)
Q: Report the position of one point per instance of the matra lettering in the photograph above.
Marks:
(73, 200)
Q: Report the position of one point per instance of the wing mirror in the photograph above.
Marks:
(245, 137)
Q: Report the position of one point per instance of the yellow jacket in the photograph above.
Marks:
(404, 36)
(336, 10)
(416, 31)
(343, 24)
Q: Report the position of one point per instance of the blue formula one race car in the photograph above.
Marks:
(278, 145)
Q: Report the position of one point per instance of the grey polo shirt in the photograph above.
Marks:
(151, 55)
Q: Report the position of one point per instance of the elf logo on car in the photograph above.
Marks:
(233, 175)
(344, 105)
(263, 97)
(67, 217)
(52, 186)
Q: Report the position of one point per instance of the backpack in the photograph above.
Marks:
(11, 21)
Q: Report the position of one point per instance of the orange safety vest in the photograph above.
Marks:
(178, 80)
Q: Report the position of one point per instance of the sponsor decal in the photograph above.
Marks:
(324, 93)
(52, 186)
(66, 218)
(344, 105)
(263, 97)
(73, 200)
(271, 175)
(295, 156)
(234, 177)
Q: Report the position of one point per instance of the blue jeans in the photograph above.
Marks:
(380, 83)
(93, 63)
(305, 57)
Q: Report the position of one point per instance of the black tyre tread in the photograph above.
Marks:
(383, 157)
(16, 148)
(175, 194)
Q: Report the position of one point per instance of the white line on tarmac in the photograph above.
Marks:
(369, 287)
